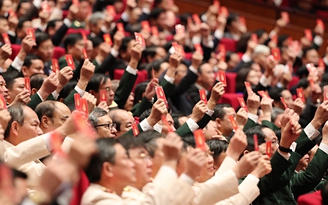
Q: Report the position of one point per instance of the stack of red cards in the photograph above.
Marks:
(200, 139)
(140, 39)
(161, 95)
(70, 61)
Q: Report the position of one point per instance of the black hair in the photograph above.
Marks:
(149, 139)
(71, 40)
(96, 81)
(219, 111)
(250, 136)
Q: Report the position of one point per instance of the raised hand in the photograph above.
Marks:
(241, 118)
(5, 117)
(298, 106)
(197, 59)
(253, 103)
(136, 53)
(321, 115)
(5, 52)
(158, 109)
(198, 111)
(216, 94)
(195, 161)
(150, 89)
(49, 85)
(92, 101)
(24, 97)
(172, 149)
(247, 164)
(238, 144)
(263, 167)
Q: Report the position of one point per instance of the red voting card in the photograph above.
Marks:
(199, 48)
(120, 27)
(84, 106)
(180, 29)
(222, 77)
(222, 51)
(103, 95)
(284, 102)
(31, 32)
(243, 104)
(166, 123)
(325, 93)
(108, 39)
(268, 148)
(200, 139)
(233, 122)
(256, 142)
(140, 39)
(76, 2)
(77, 102)
(145, 26)
(12, 13)
(135, 129)
(263, 94)
(154, 31)
(276, 53)
(56, 141)
(3, 103)
(254, 38)
(248, 87)
(55, 66)
(161, 95)
(27, 84)
(69, 61)
(111, 10)
(308, 34)
(202, 95)
(242, 20)
(6, 180)
(320, 23)
(181, 50)
(289, 41)
(285, 16)
(321, 64)
(224, 11)
(274, 39)
(85, 39)
(6, 38)
(176, 47)
(300, 94)
(85, 55)
(216, 3)
(196, 19)
(82, 125)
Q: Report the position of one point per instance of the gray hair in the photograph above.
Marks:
(95, 17)
(94, 115)
(275, 112)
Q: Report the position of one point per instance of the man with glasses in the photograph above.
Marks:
(103, 124)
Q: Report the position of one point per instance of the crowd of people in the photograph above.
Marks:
(120, 102)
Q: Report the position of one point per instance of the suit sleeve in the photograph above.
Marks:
(185, 84)
(124, 89)
(59, 35)
(139, 108)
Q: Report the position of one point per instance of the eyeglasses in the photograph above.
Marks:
(109, 126)
(108, 89)
(143, 156)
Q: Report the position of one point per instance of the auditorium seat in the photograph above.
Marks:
(232, 99)
(293, 82)
(230, 44)
(142, 75)
(231, 82)
(15, 50)
(58, 52)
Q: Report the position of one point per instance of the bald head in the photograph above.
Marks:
(122, 119)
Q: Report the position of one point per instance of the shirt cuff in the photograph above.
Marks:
(67, 22)
(2, 70)
(187, 179)
(192, 124)
(55, 95)
(40, 96)
(146, 11)
(253, 117)
(194, 70)
(208, 42)
(253, 178)
(246, 58)
(145, 125)
(125, 17)
(272, 33)
(131, 70)
(218, 34)
(79, 90)
(47, 140)
(169, 79)
(318, 40)
(265, 81)
(158, 128)
(196, 40)
(169, 169)
(209, 112)
(17, 64)
(323, 147)
(286, 156)
(12, 33)
(311, 132)
(114, 52)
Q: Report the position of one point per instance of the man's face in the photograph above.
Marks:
(277, 122)
(110, 93)
(4, 27)
(35, 68)
(206, 77)
(261, 59)
(127, 55)
(126, 120)
(161, 21)
(17, 87)
(129, 103)
(170, 121)
(105, 127)
(22, 32)
(288, 98)
(142, 162)
(3, 88)
(224, 124)
(6, 6)
(76, 50)
(269, 136)
(61, 114)
(30, 127)
(207, 170)
(180, 73)
(25, 6)
(46, 50)
(160, 53)
(312, 56)
(234, 60)
(123, 170)
(210, 130)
